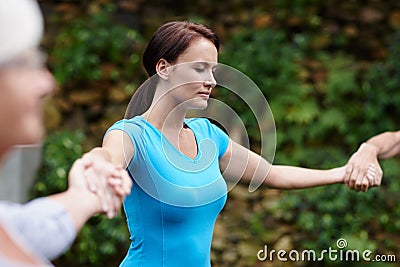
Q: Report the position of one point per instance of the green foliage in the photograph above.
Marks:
(93, 48)
(60, 150)
(324, 107)
(101, 242)
(268, 60)
(296, 7)
(382, 85)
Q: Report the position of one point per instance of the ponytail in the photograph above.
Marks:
(142, 98)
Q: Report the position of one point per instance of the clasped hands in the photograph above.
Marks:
(96, 176)
(363, 170)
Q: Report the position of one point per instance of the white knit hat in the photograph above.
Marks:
(21, 27)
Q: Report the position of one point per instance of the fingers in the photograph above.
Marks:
(97, 184)
(347, 175)
(362, 177)
(120, 187)
(114, 202)
(378, 176)
(110, 183)
(358, 179)
(374, 174)
(361, 181)
(369, 179)
(121, 183)
(353, 179)
(365, 184)
(126, 182)
(117, 185)
(371, 174)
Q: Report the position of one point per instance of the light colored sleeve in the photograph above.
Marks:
(43, 224)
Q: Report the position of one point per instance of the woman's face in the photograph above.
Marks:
(191, 79)
(24, 82)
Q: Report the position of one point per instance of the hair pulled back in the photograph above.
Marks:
(168, 42)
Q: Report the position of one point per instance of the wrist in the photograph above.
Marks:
(89, 201)
(371, 148)
(338, 174)
(79, 204)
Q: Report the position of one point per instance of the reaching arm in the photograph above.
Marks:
(240, 163)
(57, 218)
(386, 144)
(48, 225)
(79, 202)
(117, 148)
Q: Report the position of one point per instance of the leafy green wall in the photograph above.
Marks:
(329, 69)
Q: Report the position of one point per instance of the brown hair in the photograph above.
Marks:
(168, 42)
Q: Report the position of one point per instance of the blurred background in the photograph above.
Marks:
(329, 69)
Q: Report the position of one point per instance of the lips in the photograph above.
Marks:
(204, 94)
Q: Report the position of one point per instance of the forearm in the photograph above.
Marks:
(79, 204)
(44, 225)
(288, 177)
(386, 144)
(241, 163)
(100, 152)
(117, 148)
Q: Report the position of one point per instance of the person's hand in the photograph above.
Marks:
(363, 169)
(109, 182)
(76, 179)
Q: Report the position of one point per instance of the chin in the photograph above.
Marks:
(199, 107)
(33, 135)
(199, 104)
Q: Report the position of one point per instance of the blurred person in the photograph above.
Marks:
(178, 164)
(34, 233)
(381, 146)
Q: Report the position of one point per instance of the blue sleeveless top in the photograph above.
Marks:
(175, 200)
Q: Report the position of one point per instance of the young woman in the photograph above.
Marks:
(31, 234)
(175, 162)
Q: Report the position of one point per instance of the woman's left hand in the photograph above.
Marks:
(109, 182)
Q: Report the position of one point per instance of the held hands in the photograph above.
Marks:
(99, 177)
(363, 170)
(109, 182)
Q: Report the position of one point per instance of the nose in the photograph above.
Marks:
(210, 82)
(46, 83)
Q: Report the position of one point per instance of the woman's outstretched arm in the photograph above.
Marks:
(239, 162)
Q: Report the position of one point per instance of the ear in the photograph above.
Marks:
(162, 69)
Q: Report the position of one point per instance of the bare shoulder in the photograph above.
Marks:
(119, 145)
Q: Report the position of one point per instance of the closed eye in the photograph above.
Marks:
(199, 69)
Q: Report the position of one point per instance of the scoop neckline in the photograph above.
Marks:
(170, 144)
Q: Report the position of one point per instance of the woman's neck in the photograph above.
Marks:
(165, 114)
(164, 118)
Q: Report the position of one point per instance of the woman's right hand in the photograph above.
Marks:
(363, 169)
